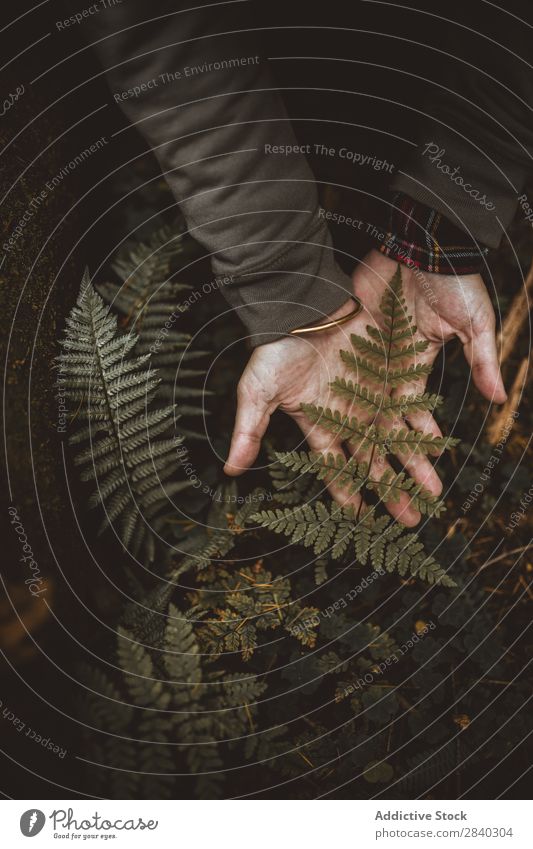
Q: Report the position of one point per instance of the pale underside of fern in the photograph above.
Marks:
(134, 465)
(152, 301)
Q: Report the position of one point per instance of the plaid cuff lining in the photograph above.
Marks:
(422, 237)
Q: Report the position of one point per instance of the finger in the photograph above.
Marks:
(424, 422)
(325, 443)
(422, 471)
(251, 422)
(402, 509)
(482, 356)
(421, 420)
(418, 466)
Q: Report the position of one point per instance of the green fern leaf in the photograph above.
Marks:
(387, 406)
(377, 351)
(347, 429)
(349, 474)
(136, 664)
(363, 436)
(406, 441)
(181, 657)
(291, 487)
(383, 374)
(354, 476)
(391, 484)
(376, 540)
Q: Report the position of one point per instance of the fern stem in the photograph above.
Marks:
(383, 392)
(103, 379)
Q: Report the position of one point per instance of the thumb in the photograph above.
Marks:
(482, 356)
(251, 422)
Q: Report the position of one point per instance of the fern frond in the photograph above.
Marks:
(399, 440)
(102, 705)
(388, 406)
(321, 571)
(309, 525)
(374, 350)
(129, 461)
(151, 302)
(181, 656)
(167, 242)
(379, 541)
(391, 484)
(140, 675)
(383, 374)
(349, 474)
(369, 348)
(353, 476)
(393, 307)
(346, 428)
(406, 441)
(291, 487)
(410, 350)
(374, 355)
(181, 707)
(406, 404)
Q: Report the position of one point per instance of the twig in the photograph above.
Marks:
(499, 423)
(515, 319)
(523, 548)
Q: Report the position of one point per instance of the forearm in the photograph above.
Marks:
(205, 103)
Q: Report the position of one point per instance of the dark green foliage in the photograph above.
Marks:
(429, 768)
(294, 647)
(216, 539)
(183, 712)
(246, 602)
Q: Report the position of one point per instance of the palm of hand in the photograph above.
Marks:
(442, 306)
(298, 370)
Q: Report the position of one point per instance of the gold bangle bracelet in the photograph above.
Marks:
(336, 322)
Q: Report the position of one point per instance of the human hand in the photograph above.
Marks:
(298, 370)
(442, 306)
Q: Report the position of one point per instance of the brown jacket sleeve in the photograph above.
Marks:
(194, 85)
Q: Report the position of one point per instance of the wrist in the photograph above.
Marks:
(339, 317)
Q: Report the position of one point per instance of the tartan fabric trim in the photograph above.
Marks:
(422, 237)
